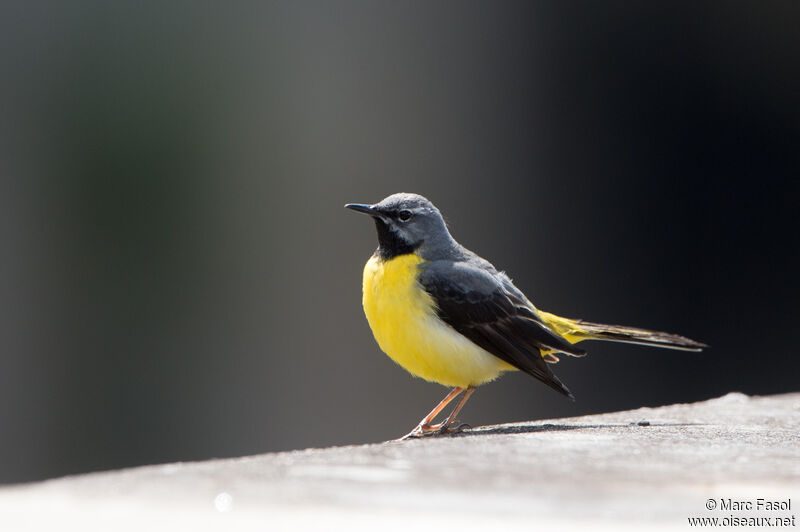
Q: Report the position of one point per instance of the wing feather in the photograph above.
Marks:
(475, 302)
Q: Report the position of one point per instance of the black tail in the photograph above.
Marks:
(632, 335)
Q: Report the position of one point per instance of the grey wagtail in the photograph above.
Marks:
(447, 315)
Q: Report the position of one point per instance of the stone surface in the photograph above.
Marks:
(652, 467)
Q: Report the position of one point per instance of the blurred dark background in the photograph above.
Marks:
(180, 281)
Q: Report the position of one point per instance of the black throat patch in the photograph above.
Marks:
(390, 244)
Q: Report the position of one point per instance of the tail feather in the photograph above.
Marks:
(633, 335)
(578, 330)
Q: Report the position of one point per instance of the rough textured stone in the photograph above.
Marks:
(652, 466)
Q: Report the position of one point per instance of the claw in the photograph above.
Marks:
(455, 430)
(423, 431)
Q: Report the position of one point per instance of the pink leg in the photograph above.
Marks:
(445, 426)
(426, 429)
(425, 426)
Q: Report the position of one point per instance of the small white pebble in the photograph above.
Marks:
(223, 502)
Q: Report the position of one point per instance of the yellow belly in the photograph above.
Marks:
(403, 319)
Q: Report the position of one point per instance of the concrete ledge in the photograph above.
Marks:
(653, 466)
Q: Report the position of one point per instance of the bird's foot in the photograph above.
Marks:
(440, 429)
(423, 431)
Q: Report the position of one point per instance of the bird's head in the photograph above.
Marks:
(406, 223)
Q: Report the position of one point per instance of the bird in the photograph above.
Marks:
(447, 315)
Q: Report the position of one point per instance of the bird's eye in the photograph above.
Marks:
(404, 215)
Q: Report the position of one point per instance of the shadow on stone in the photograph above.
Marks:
(549, 427)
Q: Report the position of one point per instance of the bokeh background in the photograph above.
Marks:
(180, 281)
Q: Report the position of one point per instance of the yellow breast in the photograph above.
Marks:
(403, 319)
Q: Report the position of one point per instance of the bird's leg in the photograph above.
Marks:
(425, 428)
(444, 427)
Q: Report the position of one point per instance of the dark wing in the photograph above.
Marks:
(475, 303)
